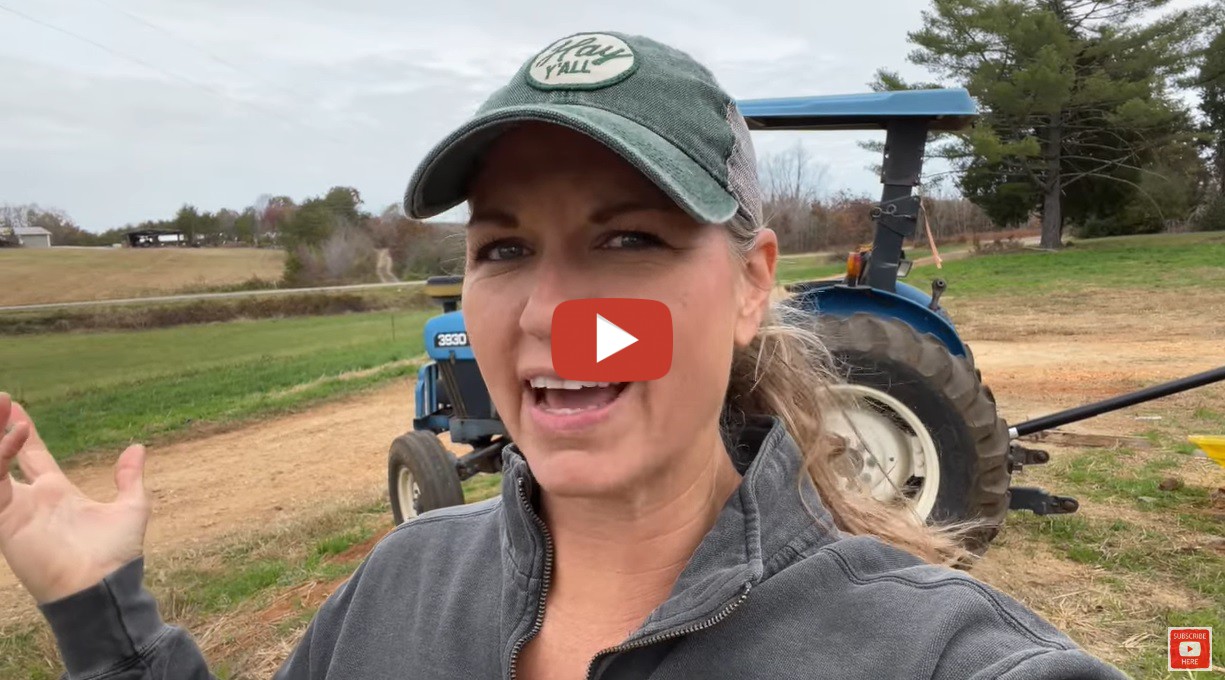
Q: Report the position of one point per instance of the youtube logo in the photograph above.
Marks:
(612, 340)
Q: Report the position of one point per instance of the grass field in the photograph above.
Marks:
(32, 276)
(1179, 261)
(99, 390)
(1166, 261)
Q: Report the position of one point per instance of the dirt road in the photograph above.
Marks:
(254, 477)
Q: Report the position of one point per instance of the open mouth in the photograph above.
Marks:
(570, 397)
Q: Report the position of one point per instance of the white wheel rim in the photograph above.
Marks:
(408, 493)
(895, 447)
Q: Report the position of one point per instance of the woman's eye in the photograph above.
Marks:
(499, 251)
(633, 240)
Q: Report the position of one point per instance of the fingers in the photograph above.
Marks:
(130, 474)
(10, 445)
(35, 459)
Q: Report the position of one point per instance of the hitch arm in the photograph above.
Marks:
(1079, 413)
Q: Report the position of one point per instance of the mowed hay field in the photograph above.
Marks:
(34, 276)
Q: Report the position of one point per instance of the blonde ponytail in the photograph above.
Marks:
(787, 372)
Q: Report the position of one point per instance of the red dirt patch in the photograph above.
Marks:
(305, 597)
(360, 550)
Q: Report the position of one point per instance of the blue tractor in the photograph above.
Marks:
(919, 420)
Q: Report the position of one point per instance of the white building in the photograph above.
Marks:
(32, 237)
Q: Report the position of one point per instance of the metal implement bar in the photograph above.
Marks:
(899, 209)
(1040, 502)
(1078, 413)
(487, 458)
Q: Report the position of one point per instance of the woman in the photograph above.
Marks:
(693, 526)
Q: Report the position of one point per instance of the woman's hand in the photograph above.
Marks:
(56, 540)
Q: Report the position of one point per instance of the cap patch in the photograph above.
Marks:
(587, 61)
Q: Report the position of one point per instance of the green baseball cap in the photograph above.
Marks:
(652, 104)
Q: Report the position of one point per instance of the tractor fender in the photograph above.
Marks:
(424, 397)
(908, 304)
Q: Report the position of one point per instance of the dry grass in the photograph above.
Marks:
(144, 316)
(33, 276)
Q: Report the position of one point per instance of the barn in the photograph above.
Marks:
(32, 237)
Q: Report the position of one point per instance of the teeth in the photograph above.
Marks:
(542, 382)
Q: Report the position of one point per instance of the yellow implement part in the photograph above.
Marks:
(1213, 445)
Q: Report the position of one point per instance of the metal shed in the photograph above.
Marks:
(32, 237)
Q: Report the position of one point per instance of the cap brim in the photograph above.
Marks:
(441, 181)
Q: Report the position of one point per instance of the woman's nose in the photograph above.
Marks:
(555, 280)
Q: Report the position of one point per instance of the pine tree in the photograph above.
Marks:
(1074, 93)
(1212, 102)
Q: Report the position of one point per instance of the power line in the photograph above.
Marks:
(154, 67)
(220, 60)
(109, 50)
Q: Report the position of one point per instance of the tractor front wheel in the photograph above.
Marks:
(421, 476)
(922, 423)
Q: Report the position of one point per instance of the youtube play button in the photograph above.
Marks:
(612, 340)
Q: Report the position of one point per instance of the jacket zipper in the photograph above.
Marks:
(680, 632)
(544, 591)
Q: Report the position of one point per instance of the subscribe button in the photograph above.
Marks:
(1190, 648)
(611, 340)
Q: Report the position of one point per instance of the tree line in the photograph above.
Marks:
(329, 238)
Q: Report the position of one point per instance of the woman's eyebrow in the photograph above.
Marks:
(607, 213)
(493, 217)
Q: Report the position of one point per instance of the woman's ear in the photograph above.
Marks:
(760, 264)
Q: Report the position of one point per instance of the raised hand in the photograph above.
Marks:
(56, 540)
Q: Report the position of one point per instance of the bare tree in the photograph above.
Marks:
(13, 216)
(347, 254)
(794, 184)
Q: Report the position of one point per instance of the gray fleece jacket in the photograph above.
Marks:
(769, 593)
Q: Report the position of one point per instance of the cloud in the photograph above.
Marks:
(217, 101)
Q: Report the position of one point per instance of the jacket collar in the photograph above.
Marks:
(773, 518)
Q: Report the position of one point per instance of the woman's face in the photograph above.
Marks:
(557, 216)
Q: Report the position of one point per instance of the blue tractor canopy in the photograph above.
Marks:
(907, 117)
(951, 109)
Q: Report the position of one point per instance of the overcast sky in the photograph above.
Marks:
(213, 102)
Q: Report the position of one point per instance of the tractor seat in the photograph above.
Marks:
(444, 286)
(445, 290)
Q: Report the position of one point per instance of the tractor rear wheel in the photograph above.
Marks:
(922, 422)
(421, 476)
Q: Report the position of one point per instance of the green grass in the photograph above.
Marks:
(335, 545)
(27, 651)
(101, 390)
(1170, 261)
(1124, 547)
(1116, 476)
(792, 270)
(1178, 261)
(482, 486)
(249, 569)
(1152, 664)
(1208, 416)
